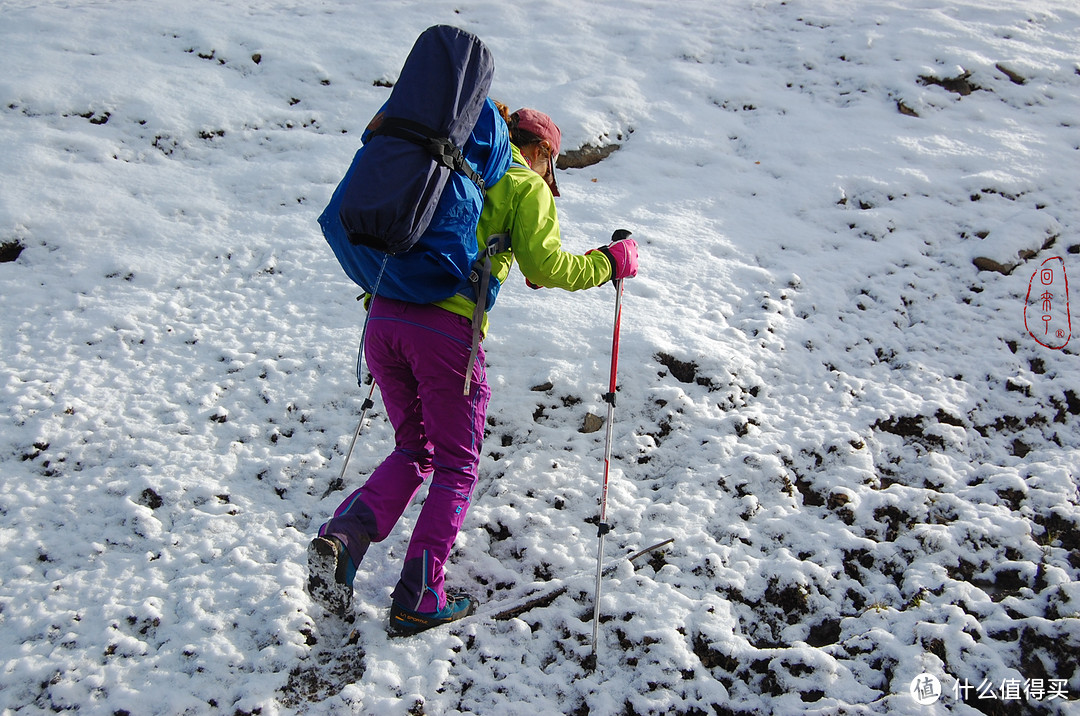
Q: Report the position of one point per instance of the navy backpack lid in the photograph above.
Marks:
(396, 186)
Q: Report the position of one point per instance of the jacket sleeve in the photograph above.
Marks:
(537, 244)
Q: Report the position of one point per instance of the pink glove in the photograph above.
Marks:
(622, 253)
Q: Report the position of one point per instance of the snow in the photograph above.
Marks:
(868, 465)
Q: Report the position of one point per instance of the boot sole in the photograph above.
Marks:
(322, 584)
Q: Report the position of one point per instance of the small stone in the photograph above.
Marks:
(592, 423)
(987, 264)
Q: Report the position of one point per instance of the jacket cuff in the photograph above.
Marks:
(611, 260)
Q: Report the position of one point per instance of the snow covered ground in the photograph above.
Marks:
(867, 459)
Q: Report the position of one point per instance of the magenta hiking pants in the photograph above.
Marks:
(417, 355)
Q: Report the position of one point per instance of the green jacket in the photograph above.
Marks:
(521, 204)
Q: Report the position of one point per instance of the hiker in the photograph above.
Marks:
(417, 354)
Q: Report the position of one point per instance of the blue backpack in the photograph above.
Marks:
(402, 222)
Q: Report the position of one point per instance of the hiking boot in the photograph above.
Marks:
(405, 622)
(330, 574)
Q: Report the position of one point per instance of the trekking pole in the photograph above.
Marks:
(602, 526)
(367, 405)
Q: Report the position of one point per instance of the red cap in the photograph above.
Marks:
(542, 126)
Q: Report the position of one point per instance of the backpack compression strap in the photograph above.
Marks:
(441, 148)
(480, 278)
